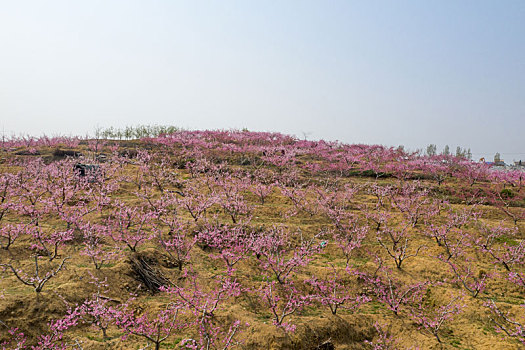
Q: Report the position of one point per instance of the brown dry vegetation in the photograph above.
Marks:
(21, 307)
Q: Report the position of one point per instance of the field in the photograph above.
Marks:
(244, 240)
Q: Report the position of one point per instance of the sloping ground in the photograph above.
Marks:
(299, 217)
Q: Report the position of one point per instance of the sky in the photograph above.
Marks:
(377, 72)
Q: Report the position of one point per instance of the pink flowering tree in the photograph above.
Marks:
(398, 243)
(201, 302)
(336, 292)
(413, 202)
(467, 275)
(130, 225)
(230, 197)
(349, 236)
(280, 255)
(385, 340)
(54, 339)
(17, 340)
(95, 311)
(94, 244)
(508, 200)
(196, 199)
(47, 242)
(395, 295)
(283, 300)
(506, 323)
(450, 234)
(9, 233)
(64, 191)
(7, 191)
(154, 327)
(262, 184)
(298, 194)
(232, 242)
(432, 317)
(176, 242)
(509, 253)
(39, 277)
(214, 337)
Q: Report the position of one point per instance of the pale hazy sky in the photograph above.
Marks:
(388, 72)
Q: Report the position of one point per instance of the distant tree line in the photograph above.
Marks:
(135, 132)
(460, 152)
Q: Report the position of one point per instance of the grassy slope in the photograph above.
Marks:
(20, 307)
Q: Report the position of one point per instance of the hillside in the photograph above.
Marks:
(245, 240)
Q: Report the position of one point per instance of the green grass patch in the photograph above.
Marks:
(172, 344)
(263, 278)
(99, 339)
(455, 343)
(508, 240)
